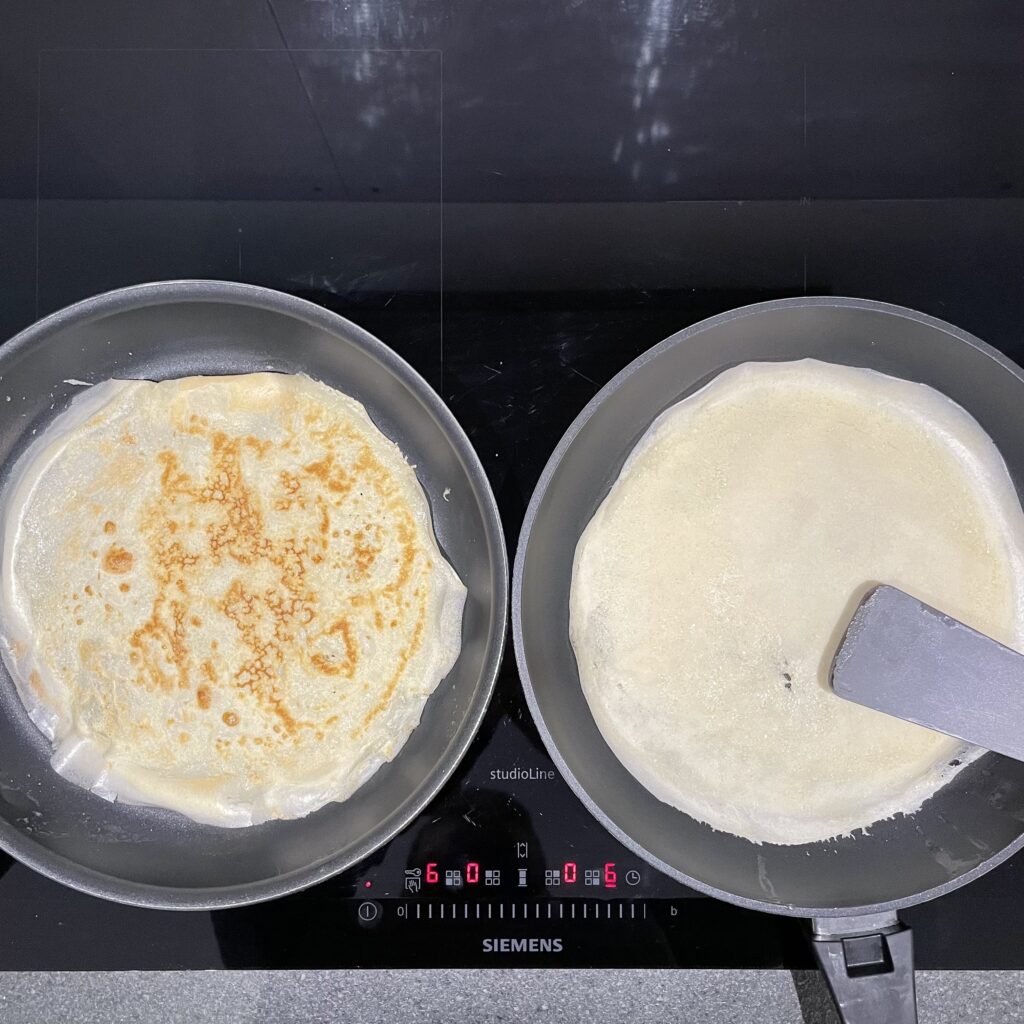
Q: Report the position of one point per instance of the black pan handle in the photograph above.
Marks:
(868, 962)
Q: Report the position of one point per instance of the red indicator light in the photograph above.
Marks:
(569, 872)
(432, 872)
(472, 873)
(367, 884)
(611, 879)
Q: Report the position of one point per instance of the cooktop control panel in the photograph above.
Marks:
(507, 867)
(506, 829)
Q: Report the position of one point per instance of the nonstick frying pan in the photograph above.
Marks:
(156, 858)
(850, 886)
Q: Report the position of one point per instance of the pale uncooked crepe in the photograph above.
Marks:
(223, 595)
(712, 587)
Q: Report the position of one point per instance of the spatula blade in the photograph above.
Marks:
(909, 660)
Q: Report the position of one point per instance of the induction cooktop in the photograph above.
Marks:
(519, 200)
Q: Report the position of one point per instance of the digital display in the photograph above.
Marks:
(568, 874)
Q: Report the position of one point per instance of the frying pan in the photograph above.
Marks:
(850, 886)
(156, 858)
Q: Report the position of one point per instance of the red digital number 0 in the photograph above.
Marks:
(569, 872)
(432, 872)
(472, 873)
(611, 879)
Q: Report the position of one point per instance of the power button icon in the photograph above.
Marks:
(369, 912)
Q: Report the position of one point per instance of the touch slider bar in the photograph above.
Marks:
(524, 910)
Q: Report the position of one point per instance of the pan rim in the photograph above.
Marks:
(190, 290)
(537, 497)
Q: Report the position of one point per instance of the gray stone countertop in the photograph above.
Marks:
(485, 996)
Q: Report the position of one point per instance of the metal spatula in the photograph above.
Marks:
(909, 660)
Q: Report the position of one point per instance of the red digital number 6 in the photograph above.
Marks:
(432, 872)
(611, 879)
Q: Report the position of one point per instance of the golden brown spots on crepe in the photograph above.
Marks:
(260, 447)
(35, 681)
(407, 558)
(325, 522)
(125, 587)
(366, 546)
(89, 590)
(335, 478)
(117, 560)
(292, 487)
(347, 665)
(403, 660)
(196, 424)
(109, 527)
(263, 622)
(174, 481)
(161, 643)
(240, 530)
(216, 514)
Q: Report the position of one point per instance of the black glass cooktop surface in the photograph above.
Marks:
(519, 200)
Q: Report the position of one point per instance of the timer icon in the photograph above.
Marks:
(632, 877)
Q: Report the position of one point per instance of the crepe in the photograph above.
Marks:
(223, 595)
(712, 587)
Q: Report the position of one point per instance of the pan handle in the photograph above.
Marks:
(868, 962)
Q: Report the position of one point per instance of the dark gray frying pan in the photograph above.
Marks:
(171, 329)
(852, 886)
